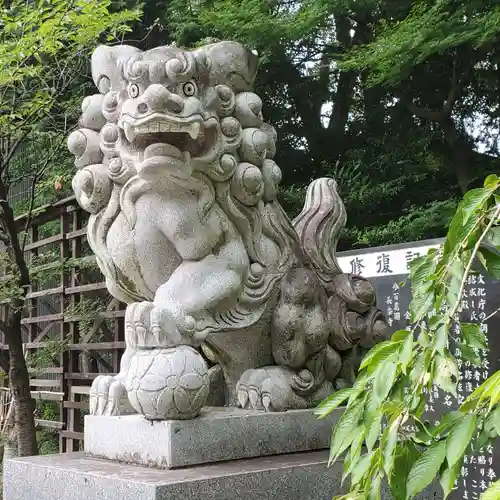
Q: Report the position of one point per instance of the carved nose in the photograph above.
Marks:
(159, 99)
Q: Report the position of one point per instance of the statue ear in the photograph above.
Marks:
(107, 64)
(231, 64)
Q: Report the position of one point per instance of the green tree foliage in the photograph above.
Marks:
(398, 99)
(44, 51)
(389, 392)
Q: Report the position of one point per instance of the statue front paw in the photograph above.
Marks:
(149, 326)
(105, 395)
(274, 389)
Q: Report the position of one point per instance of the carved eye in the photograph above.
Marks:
(189, 89)
(133, 91)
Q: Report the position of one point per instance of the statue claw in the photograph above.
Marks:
(266, 401)
(254, 397)
(105, 395)
(243, 398)
(151, 326)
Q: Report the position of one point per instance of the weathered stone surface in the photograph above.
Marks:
(218, 434)
(301, 476)
(175, 165)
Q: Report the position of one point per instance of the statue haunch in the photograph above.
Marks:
(175, 164)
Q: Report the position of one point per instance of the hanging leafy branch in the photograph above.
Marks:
(388, 398)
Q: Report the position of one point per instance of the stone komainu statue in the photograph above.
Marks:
(175, 164)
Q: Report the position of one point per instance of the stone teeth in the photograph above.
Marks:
(194, 130)
(129, 132)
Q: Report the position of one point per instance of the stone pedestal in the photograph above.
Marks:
(218, 434)
(209, 458)
(301, 476)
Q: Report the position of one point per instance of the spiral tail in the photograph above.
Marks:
(319, 225)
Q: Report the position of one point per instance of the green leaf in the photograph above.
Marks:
(492, 182)
(473, 335)
(473, 399)
(492, 493)
(469, 354)
(373, 432)
(423, 338)
(446, 373)
(495, 419)
(398, 391)
(480, 441)
(441, 337)
(380, 352)
(489, 426)
(420, 306)
(448, 477)
(459, 438)
(352, 457)
(404, 459)
(493, 237)
(491, 261)
(452, 237)
(361, 469)
(346, 429)
(421, 271)
(473, 201)
(372, 409)
(419, 366)
(375, 483)
(425, 468)
(406, 353)
(392, 408)
(490, 389)
(447, 421)
(333, 401)
(384, 379)
(389, 445)
(400, 335)
(454, 283)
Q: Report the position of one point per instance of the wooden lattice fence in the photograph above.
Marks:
(72, 327)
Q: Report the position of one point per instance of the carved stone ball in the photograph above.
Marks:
(230, 126)
(364, 290)
(109, 133)
(77, 143)
(167, 383)
(110, 101)
(228, 163)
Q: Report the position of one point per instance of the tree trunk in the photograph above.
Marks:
(461, 153)
(19, 381)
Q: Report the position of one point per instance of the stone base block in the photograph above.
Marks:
(218, 434)
(74, 476)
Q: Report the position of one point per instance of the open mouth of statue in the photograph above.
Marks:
(170, 137)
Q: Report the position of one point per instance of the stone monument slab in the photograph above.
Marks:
(218, 434)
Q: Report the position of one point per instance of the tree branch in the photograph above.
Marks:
(38, 175)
